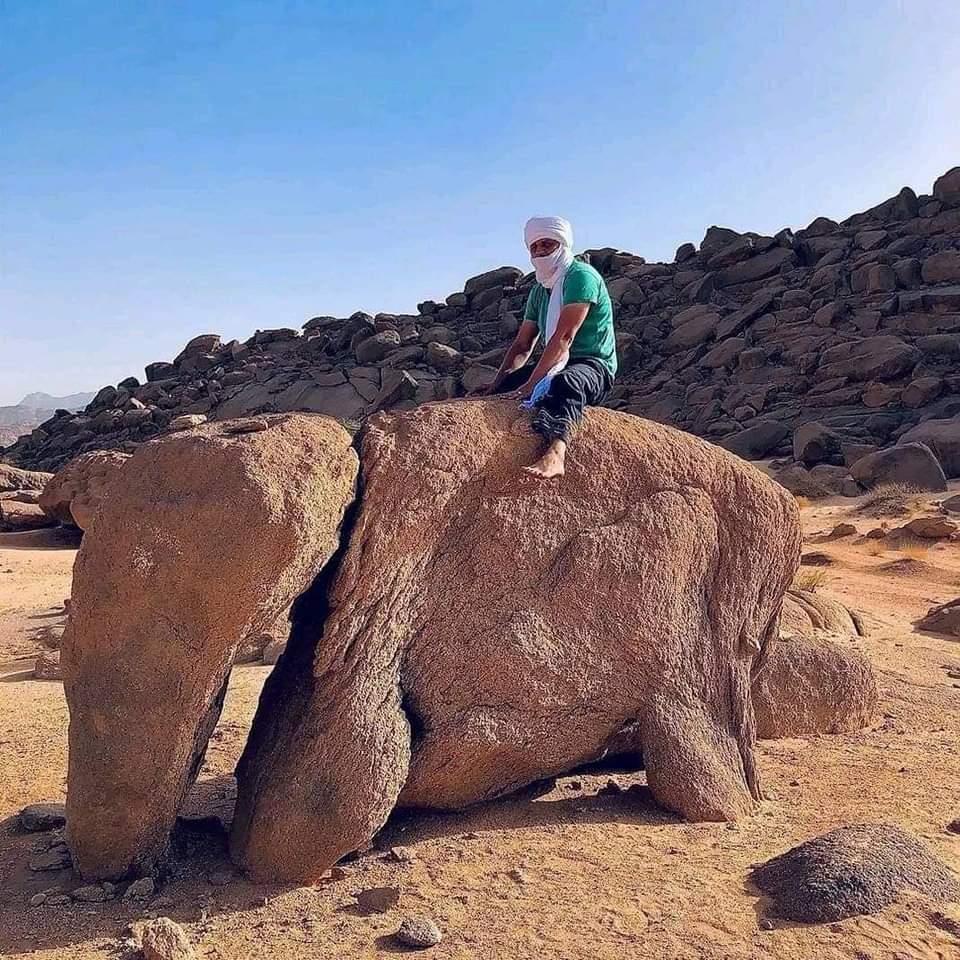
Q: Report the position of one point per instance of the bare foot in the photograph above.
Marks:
(550, 465)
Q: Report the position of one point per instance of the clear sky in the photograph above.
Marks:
(174, 167)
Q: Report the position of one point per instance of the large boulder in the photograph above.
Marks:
(501, 277)
(941, 267)
(812, 685)
(485, 630)
(943, 438)
(815, 443)
(883, 357)
(909, 463)
(75, 492)
(810, 613)
(13, 478)
(756, 441)
(850, 871)
(942, 618)
(17, 516)
(211, 535)
(947, 187)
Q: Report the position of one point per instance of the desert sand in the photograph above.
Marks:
(591, 869)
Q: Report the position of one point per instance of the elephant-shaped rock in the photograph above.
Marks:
(486, 629)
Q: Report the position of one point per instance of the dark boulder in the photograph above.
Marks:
(852, 871)
(912, 464)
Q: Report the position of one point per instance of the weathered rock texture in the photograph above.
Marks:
(74, 493)
(854, 325)
(942, 618)
(852, 871)
(806, 612)
(12, 478)
(485, 630)
(812, 685)
(210, 536)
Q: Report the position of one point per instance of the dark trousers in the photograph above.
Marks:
(582, 382)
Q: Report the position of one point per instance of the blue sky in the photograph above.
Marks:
(171, 168)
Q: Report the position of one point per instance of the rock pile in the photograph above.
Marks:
(853, 325)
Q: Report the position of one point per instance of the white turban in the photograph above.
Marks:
(548, 228)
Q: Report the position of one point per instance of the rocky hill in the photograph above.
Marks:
(854, 325)
(20, 418)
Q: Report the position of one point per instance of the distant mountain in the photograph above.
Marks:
(43, 401)
(32, 410)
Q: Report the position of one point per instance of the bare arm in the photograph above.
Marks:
(558, 348)
(517, 354)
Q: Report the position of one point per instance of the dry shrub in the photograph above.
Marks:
(889, 500)
(875, 547)
(809, 580)
(914, 549)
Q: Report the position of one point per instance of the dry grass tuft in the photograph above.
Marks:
(809, 580)
(889, 500)
(875, 547)
(801, 501)
(914, 549)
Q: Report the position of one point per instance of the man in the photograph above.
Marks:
(569, 308)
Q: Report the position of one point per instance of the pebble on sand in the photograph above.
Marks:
(420, 932)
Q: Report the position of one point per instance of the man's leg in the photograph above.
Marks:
(582, 382)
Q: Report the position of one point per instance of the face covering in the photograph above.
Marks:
(551, 268)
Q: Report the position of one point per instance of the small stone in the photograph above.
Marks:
(249, 425)
(419, 932)
(37, 817)
(843, 530)
(57, 858)
(92, 893)
(187, 421)
(378, 899)
(518, 876)
(47, 666)
(37, 899)
(932, 528)
(338, 873)
(765, 924)
(954, 826)
(612, 788)
(162, 939)
(142, 889)
(402, 855)
(58, 900)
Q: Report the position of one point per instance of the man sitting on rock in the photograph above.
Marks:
(568, 307)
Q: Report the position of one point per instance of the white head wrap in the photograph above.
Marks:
(548, 228)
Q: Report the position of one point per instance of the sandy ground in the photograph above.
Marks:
(584, 871)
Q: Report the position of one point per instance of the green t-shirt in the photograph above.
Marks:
(595, 338)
